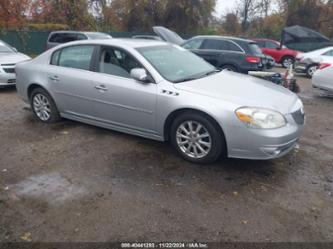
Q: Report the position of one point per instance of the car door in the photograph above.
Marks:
(212, 51)
(120, 100)
(70, 79)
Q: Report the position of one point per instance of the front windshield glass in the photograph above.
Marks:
(5, 49)
(176, 64)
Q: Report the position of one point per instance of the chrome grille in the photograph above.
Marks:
(9, 70)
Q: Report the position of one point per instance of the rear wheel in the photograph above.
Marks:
(287, 61)
(43, 106)
(310, 70)
(196, 138)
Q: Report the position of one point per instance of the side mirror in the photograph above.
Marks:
(140, 74)
(278, 48)
(15, 49)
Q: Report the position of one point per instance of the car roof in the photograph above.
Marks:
(123, 42)
(76, 32)
(224, 37)
(263, 39)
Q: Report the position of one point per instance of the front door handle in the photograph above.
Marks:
(101, 88)
(55, 78)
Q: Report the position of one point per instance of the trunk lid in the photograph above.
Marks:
(168, 35)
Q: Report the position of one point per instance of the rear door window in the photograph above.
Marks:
(78, 57)
(215, 44)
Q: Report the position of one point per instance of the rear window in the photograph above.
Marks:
(254, 49)
(66, 37)
(97, 36)
(78, 57)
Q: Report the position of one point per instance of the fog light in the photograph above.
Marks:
(271, 151)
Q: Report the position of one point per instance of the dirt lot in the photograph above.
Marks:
(74, 182)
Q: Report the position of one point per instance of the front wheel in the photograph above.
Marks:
(311, 70)
(196, 138)
(43, 106)
(287, 61)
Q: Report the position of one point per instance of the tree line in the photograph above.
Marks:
(267, 18)
(264, 18)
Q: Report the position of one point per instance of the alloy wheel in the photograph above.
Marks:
(193, 139)
(287, 62)
(42, 107)
(312, 70)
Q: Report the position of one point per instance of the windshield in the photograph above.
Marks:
(98, 36)
(6, 49)
(176, 64)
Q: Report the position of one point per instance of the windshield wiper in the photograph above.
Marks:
(211, 72)
(186, 79)
(198, 77)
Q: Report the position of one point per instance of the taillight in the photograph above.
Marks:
(324, 65)
(252, 59)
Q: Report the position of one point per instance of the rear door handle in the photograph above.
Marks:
(101, 88)
(54, 78)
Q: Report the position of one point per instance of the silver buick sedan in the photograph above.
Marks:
(163, 92)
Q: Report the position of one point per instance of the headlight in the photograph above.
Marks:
(260, 118)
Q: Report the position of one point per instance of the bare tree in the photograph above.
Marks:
(245, 9)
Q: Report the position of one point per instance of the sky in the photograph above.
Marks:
(223, 5)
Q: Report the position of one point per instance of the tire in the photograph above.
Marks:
(43, 106)
(229, 68)
(211, 145)
(310, 70)
(287, 61)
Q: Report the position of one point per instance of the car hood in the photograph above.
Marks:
(243, 90)
(317, 52)
(13, 58)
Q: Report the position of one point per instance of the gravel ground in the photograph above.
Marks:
(74, 182)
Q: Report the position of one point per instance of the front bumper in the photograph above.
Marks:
(7, 75)
(300, 67)
(7, 79)
(257, 144)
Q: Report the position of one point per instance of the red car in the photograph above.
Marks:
(283, 56)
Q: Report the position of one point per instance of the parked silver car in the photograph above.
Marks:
(9, 56)
(323, 77)
(164, 92)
